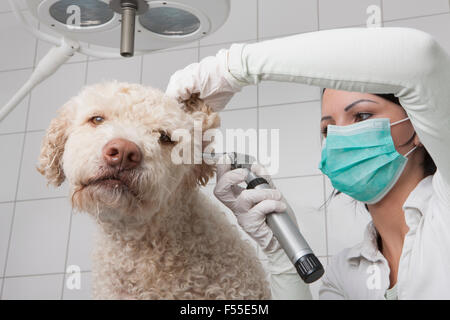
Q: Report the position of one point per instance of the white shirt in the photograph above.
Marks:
(362, 272)
(413, 66)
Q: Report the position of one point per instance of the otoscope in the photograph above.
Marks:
(286, 232)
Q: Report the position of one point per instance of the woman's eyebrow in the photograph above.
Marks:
(350, 106)
(356, 102)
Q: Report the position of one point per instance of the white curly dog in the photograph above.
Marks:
(159, 236)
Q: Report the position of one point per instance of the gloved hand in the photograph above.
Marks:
(210, 77)
(249, 206)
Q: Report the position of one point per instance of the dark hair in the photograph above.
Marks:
(428, 165)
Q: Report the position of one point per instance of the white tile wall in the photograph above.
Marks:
(241, 24)
(299, 146)
(346, 220)
(32, 185)
(11, 82)
(158, 67)
(344, 13)
(39, 237)
(51, 94)
(10, 165)
(306, 205)
(37, 287)
(438, 26)
(283, 17)
(6, 213)
(19, 46)
(275, 93)
(127, 70)
(238, 119)
(83, 293)
(45, 236)
(81, 240)
(5, 7)
(398, 9)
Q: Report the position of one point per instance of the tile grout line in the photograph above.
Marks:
(66, 258)
(33, 199)
(298, 176)
(320, 139)
(16, 69)
(258, 156)
(418, 17)
(21, 132)
(86, 70)
(40, 274)
(318, 15)
(269, 105)
(71, 210)
(142, 70)
(18, 176)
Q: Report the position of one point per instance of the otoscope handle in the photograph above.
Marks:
(288, 235)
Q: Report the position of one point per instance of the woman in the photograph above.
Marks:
(378, 150)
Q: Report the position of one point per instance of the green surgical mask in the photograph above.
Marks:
(361, 160)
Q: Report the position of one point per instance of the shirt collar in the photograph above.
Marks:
(417, 200)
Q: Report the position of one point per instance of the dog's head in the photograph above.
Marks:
(113, 143)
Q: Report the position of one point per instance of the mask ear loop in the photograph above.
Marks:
(406, 155)
(399, 121)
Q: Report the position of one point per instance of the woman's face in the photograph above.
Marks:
(343, 108)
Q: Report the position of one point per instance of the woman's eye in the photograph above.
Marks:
(164, 137)
(97, 120)
(363, 115)
(324, 131)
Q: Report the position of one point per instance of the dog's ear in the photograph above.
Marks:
(200, 111)
(52, 147)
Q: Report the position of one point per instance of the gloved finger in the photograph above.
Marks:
(262, 234)
(249, 198)
(218, 101)
(261, 171)
(181, 84)
(227, 180)
(268, 206)
(223, 165)
(254, 223)
(237, 190)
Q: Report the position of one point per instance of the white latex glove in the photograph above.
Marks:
(249, 206)
(209, 77)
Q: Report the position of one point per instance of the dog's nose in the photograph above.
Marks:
(122, 153)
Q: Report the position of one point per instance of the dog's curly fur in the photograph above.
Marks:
(159, 236)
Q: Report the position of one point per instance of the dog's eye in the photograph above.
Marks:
(96, 120)
(164, 137)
